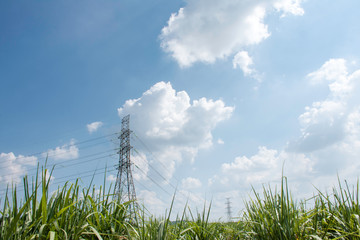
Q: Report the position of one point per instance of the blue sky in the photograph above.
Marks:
(221, 92)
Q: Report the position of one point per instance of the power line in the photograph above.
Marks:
(155, 169)
(64, 164)
(67, 145)
(79, 176)
(94, 173)
(153, 155)
(148, 213)
(89, 160)
(155, 182)
(164, 167)
(169, 183)
(72, 160)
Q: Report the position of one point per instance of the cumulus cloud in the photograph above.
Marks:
(13, 167)
(93, 127)
(236, 178)
(330, 130)
(243, 61)
(329, 144)
(191, 183)
(141, 166)
(204, 31)
(327, 122)
(335, 72)
(174, 128)
(65, 152)
(329, 141)
(289, 7)
(265, 166)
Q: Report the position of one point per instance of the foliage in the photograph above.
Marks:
(72, 212)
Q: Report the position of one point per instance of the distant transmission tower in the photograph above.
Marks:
(124, 186)
(228, 209)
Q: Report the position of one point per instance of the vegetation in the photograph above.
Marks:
(75, 213)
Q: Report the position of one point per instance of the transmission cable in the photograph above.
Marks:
(152, 154)
(72, 160)
(154, 169)
(67, 145)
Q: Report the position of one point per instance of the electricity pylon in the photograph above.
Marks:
(228, 209)
(124, 186)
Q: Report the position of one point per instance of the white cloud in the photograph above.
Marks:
(207, 30)
(265, 166)
(292, 7)
(195, 200)
(332, 70)
(191, 183)
(141, 166)
(329, 141)
(326, 122)
(93, 127)
(111, 178)
(263, 169)
(13, 168)
(174, 128)
(159, 204)
(329, 144)
(220, 141)
(65, 152)
(151, 202)
(244, 62)
(237, 178)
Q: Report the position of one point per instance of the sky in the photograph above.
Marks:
(223, 96)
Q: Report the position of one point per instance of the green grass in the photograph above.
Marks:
(73, 212)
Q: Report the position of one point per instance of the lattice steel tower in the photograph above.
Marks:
(228, 209)
(124, 186)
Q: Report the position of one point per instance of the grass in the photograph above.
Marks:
(73, 212)
(275, 216)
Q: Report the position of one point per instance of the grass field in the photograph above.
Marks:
(73, 212)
